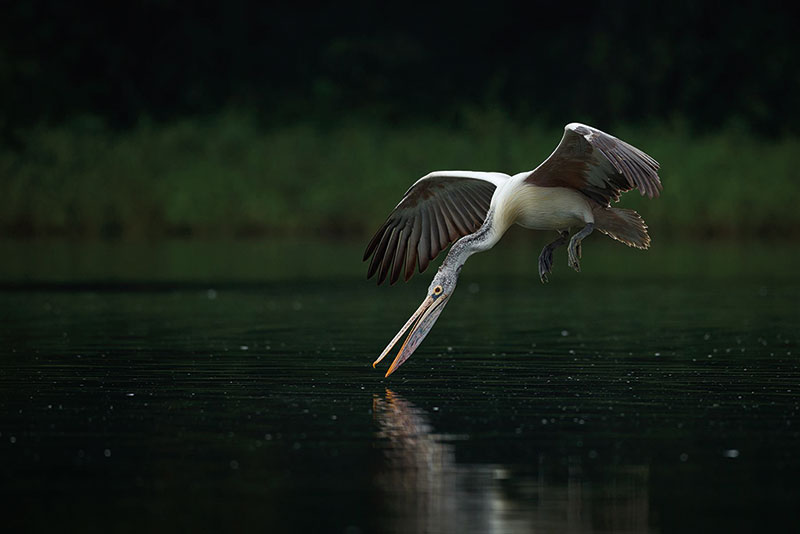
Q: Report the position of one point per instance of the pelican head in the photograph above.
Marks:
(422, 320)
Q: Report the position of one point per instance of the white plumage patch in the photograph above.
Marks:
(540, 208)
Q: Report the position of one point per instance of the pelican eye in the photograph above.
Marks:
(437, 290)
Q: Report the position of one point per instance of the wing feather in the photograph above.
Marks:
(386, 263)
(413, 249)
(424, 245)
(598, 165)
(469, 206)
(441, 224)
(375, 263)
(476, 202)
(373, 243)
(434, 221)
(436, 211)
(454, 219)
(400, 256)
(452, 227)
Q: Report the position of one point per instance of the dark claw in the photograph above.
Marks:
(546, 257)
(545, 263)
(574, 248)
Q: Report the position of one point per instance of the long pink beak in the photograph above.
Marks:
(422, 321)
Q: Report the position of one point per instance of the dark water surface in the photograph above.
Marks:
(214, 386)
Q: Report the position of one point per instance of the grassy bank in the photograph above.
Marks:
(226, 176)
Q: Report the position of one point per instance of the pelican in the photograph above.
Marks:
(472, 210)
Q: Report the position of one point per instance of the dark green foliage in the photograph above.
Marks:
(225, 176)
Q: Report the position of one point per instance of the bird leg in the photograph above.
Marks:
(574, 247)
(546, 257)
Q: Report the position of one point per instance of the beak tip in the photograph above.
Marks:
(420, 323)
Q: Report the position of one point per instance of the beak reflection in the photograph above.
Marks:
(420, 322)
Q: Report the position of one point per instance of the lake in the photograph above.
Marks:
(213, 386)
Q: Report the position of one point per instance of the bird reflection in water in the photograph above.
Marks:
(424, 488)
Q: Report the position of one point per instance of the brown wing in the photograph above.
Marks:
(598, 165)
(436, 211)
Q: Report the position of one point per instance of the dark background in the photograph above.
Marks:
(710, 63)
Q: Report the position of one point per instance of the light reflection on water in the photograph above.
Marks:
(425, 488)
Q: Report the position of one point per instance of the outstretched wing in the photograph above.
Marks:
(436, 211)
(598, 165)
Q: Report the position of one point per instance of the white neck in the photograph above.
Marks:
(482, 239)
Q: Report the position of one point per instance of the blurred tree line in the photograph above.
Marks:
(709, 64)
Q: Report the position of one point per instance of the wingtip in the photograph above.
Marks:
(576, 126)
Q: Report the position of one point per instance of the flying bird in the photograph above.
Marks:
(472, 210)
